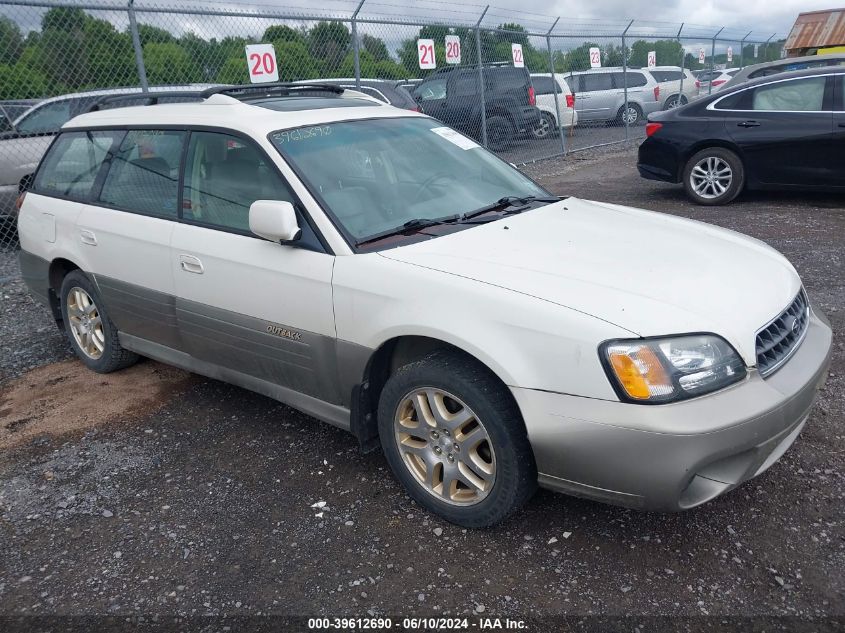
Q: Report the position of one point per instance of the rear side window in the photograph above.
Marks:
(635, 80)
(799, 95)
(144, 173)
(510, 79)
(598, 81)
(46, 119)
(545, 85)
(73, 163)
(662, 76)
(465, 85)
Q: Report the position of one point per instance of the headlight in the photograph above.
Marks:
(673, 368)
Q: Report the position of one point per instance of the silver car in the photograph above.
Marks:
(776, 67)
(600, 95)
(22, 146)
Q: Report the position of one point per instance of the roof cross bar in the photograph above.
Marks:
(271, 89)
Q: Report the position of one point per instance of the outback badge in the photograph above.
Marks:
(284, 332)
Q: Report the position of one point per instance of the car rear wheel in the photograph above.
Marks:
(632, 114)
(714, 176)
(92, 334)
(675, 101)
(546, 128)
(455, 439)
(500, 131)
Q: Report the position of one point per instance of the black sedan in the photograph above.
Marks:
(780, 132)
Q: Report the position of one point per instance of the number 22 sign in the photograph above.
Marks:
(261, 63)
(425, 52)
(516, 53)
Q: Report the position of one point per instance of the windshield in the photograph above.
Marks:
(377, 175)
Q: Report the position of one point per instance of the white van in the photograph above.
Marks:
(547, 90)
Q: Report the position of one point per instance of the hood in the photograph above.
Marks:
(650, 273)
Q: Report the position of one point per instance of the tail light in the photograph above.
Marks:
(19, 201)
(532, 98)
(698, 83)
(718, 82)
(570, 101)
(657, 93)
(651, 128)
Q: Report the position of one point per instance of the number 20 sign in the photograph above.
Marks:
(261, 63)
(425, 51)
(453, 49)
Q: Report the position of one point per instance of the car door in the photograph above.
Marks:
(254, 312)
(597, 98)
(431, 95)
(124, 233)
(784, 130)
(838, 141)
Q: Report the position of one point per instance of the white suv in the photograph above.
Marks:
(487, 335)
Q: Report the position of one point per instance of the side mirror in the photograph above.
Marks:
(274, 220)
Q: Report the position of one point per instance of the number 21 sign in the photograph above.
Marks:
(261, 63)
(425, 52)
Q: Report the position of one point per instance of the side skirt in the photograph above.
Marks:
(333, 414)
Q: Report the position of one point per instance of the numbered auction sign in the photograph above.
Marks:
(516, 53)
(595, 58)
(652, 59)
(756, 50)
(453, 49)
(730, 54)
(701, 57)
(425, 52)
(261, 62)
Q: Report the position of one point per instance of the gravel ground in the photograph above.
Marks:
(216, 501)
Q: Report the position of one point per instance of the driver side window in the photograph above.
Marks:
(224, 175)
(432, 90)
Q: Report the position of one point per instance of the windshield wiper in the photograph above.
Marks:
(416, 224)
(502, 204)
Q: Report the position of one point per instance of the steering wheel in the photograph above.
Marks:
(441, 175)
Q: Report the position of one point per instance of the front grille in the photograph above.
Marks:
(779, 339)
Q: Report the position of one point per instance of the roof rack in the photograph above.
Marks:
(151, 98)
(250, 91)
(281, 88)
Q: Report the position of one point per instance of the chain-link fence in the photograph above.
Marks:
(527, 86)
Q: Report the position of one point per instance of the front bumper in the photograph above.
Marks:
(675, 456)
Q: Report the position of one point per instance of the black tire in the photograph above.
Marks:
(515, 471)
(547, 128)
(675, 101)
(500, 133)
(737, 182)
(113, 356)
(636, 114)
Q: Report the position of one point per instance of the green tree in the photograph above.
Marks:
(64, 19)
(282, 33)
(169, 64)
(375, 46)
(109, 56)
(667, 52)
(11, 41)
(329, 43)
(149, 34)
(22, 82)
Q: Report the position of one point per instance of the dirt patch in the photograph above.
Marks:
(64, 397)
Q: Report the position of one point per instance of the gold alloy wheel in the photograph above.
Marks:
(445, 446)
(85, 323)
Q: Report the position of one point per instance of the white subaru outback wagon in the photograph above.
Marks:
(387, 275)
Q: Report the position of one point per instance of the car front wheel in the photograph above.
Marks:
(454, 438)
(714, 176)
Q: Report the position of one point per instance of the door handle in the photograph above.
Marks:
(191, 264)
(87, 237)
(842, 125)
(748, 124)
